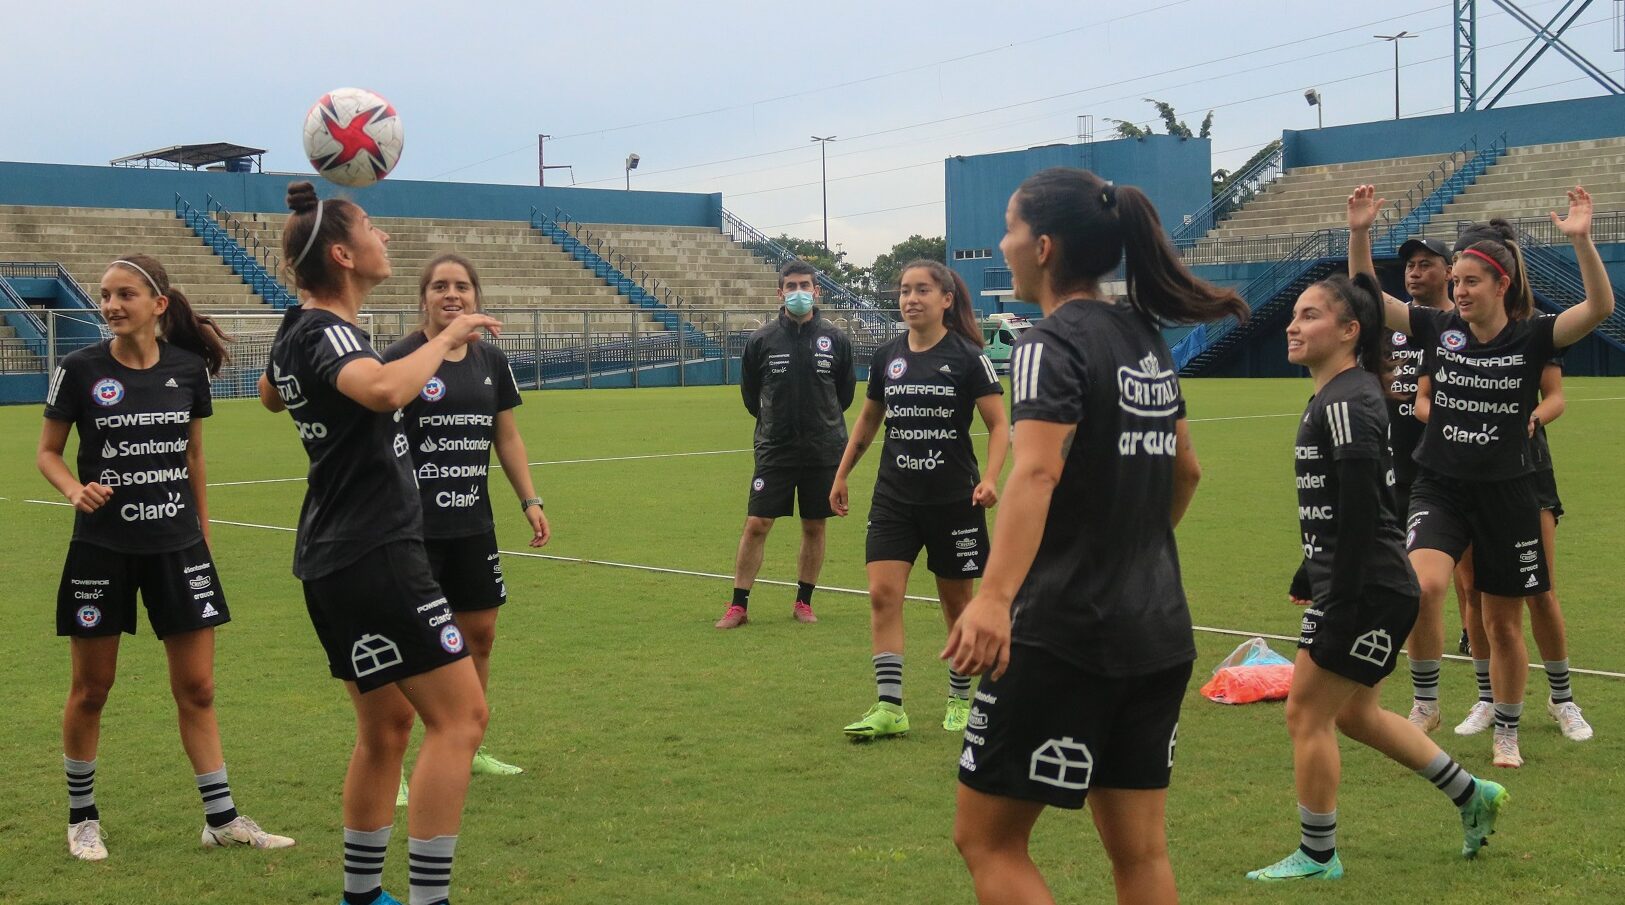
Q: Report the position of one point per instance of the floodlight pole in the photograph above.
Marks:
(1394, 40)
(823, 178)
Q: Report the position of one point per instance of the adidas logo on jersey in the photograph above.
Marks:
(209, 612)
(970, 566)
(946, 370)
(967, 761)
(171, 383)
(487, 381)
(1531, 582)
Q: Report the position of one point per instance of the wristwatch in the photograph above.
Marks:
(533, 501)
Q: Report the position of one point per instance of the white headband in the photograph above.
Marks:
(314, 230)
(138, 269)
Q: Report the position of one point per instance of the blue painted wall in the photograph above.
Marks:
(80, 186)
(1176, 173)
(1535, 124)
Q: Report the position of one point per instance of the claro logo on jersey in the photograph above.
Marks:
(929, 462)
(1149, 389)
(451, 499)
(147, 512)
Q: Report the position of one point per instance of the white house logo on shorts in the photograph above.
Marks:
(434, 390)
(897, 368)
(107, 391)
(1148, 388)
(1400, 339)
(451, 639)
(1062, 762)
(824, 344)
(1374, 647)
(89, 616)
(757, 485)
(372, 653)
(1454, 340)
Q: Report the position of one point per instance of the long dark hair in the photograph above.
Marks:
(1499, 241)
(1360, 300)
(313, 271)
(179, 325)
(447, 257)
(1096, 224)
(961, 315)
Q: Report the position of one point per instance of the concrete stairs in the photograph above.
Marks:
(1530, 181)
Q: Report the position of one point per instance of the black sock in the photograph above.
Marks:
(804, 592)
(742, 598)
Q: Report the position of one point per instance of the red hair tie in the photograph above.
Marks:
(1493, 263)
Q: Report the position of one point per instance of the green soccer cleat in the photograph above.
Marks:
(1299, 866)
(486, 765)
(958, 714)
(882, 719)
(1478, 816)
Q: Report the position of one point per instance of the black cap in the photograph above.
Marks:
(1426, 244)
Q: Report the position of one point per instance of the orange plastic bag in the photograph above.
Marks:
(1246, 684)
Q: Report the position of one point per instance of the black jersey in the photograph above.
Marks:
(1404, 430)
(1483, 393)
(451, 426)
(134, 428)
(1345, 421)
(360, 492)
(1104, 591)
(930, 399)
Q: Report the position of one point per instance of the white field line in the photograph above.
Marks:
(663, 570)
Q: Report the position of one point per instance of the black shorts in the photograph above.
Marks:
(1048, 731)
(1499, 520)
(96, 598)
(1359, 642)
(776, 489)
(1546, 493)
(468, 570)
(954, 536)
(382, 618)
(1402, 498)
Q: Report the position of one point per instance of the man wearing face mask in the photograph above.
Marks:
(797, 381)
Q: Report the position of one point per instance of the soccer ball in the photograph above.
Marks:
(353, 137)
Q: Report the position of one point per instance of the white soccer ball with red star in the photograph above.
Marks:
(353, 137)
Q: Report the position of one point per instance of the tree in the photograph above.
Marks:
(1223, 178)
(832, 263)
(1170, 120)
(1126, 129)
(887, 269)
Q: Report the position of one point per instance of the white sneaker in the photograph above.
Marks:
(1574, 726)
(1505, 749)
(1481, 717)
(1425, 714)
(85, 841)
(242, 831)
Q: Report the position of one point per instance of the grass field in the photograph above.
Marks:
(673, 763)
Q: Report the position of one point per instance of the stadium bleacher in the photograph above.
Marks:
(1529, 181)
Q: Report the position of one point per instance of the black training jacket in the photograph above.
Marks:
(797, 381)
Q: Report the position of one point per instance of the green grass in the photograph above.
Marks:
(673, 763)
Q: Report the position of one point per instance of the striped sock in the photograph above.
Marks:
(81, 789)
(218, 808)
(889, 678)
(429, 866)
(1425, 680)
(1481, 671)
(1448, 777)
(1319, 840)
(364, 864)
(1557, 676)
(1507, 715)
(958, 685)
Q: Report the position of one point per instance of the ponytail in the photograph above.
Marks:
(1158, 282)
(961, 315)
(1499, 241)
(1360, 300)
(179, 325)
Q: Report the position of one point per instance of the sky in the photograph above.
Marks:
(724, 96)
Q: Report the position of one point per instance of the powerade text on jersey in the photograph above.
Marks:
(451, 425)
(1104, 591)
(134, 429)
(929, 398)
(360, 492)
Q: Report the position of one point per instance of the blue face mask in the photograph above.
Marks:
(798, 303)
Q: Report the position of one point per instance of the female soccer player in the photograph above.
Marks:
(138, 402)
(1081, 624)
(451, 425)
(1359, 590)
(1475, 485)
(925, 384)
(387, 629)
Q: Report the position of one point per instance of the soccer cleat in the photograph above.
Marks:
(486, 765)
(1505, 748)
(958, 715)
(242, 831)
(733, 618)
(85, 841)
(1569, 720)
(1299, 866)
(1481, 717)
(384, 898)
(1478, 816)
(882, 719)
(1464, 646)
(1425, 714)
(803, 612)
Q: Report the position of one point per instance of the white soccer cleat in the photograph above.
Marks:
(1481, 717)
(1505, 748)
(1569, 720)
(85, 841)
(242, 831)
(1425, 714)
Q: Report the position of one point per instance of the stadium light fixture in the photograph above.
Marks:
(631, 164)
(1313, 97)
(823, 178)
(1394, 40)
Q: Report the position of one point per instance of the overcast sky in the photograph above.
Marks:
(724, 95)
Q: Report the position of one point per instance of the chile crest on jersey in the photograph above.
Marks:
(434, 390)
(107, 392)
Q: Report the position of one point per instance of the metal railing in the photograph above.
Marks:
(244, 264)
(248, 239)
(1454, 174)
(629, 268)
(1558, 280)
(1243, 188)
(1606, 227)
(768, 250)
